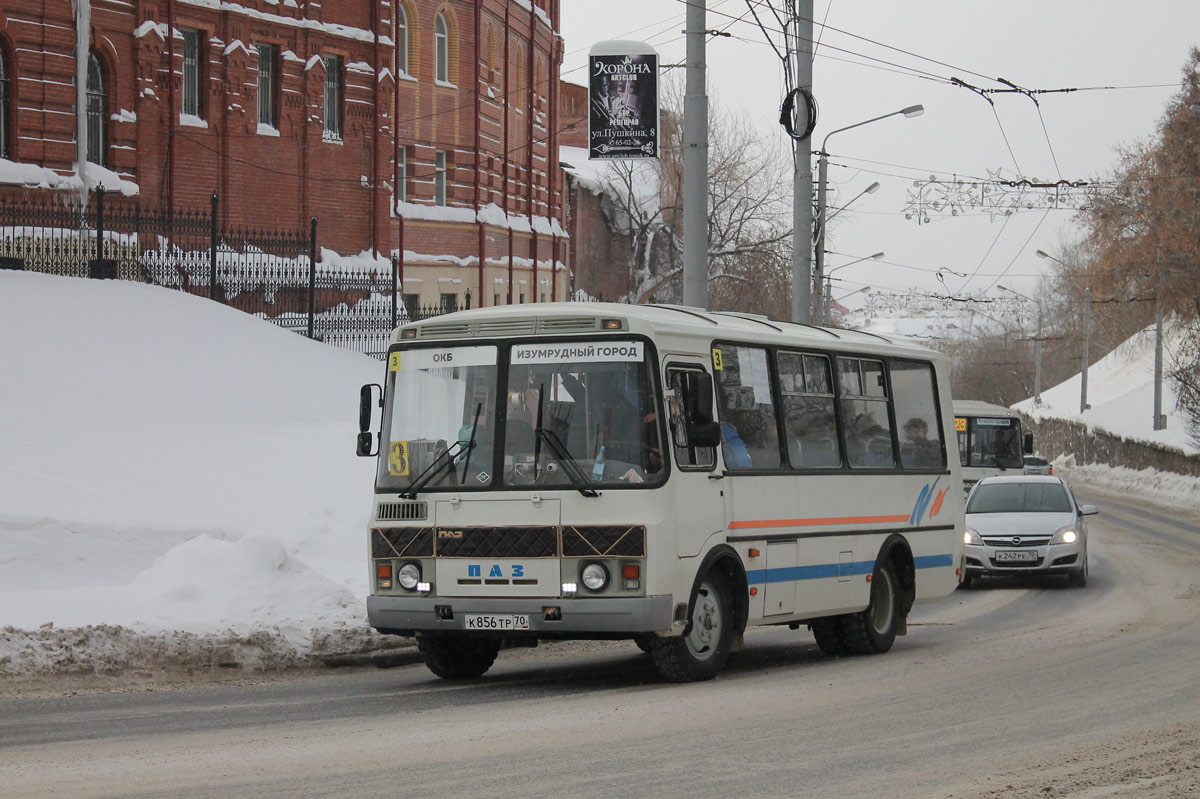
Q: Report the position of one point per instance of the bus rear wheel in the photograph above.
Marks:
(458, 658)
(701, 652)
(873, 631)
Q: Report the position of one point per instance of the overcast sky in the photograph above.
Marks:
(877, 56)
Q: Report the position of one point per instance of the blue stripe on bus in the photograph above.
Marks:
(793, 573)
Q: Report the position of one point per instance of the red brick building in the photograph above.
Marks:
(422, 127)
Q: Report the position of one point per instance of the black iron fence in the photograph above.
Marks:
(274, 274)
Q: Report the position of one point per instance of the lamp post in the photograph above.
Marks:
(828, 287)
(1087, 325)
(1037, 368)
(822, 184)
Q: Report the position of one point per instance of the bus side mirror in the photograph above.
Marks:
(702, 431)
(1028, 443)
(367, 402)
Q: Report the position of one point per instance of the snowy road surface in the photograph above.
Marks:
(1006, 690)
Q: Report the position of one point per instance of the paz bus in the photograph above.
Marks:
(659, 474)
(990, 440)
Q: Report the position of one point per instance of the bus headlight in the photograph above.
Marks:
(1067, 535)
(594, 576)
(971, 537)
(409, 575)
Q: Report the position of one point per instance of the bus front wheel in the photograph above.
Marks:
(701, 652)
(458, 658)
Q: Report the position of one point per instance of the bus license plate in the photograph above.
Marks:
(1017, 554)
(492, 621)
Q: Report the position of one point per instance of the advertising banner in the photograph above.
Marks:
(623, 100)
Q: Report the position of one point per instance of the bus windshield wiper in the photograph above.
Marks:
(570, 467)
(445, 458)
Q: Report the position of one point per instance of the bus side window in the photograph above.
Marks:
(809, 421)
(917, 415)
(689, 416)
(865, 414)
(747, 409)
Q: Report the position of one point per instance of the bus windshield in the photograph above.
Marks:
(993, 442)
(550, 415)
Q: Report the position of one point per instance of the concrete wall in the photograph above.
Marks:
(1055, 437)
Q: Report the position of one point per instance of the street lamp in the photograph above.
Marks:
(825, 303)
(1087, 326)
(839, 299)
(874, 187)
(822, 183)
(1037, 368)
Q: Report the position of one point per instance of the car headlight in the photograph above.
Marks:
(1066, 535)
(594, 576)
(971, 537)
(409, 575)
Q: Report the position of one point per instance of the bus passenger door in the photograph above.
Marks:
(697, 492)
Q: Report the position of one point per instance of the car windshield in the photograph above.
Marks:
(1019, 498)
(560, 415)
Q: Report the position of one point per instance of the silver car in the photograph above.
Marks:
(1036, 464)
(1025, 524)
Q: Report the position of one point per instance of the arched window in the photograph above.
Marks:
(5, 116)
(401, 40)
(441, 49)
(97, 111)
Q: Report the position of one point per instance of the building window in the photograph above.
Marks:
(449, 303)
(439, 178)
(267, 80)
(401, 174)
(441, 49)
(97, 111)
(412, 307)
(191, 73)
(401, 40)
(5, 151)
(333, 97)
(495, 299)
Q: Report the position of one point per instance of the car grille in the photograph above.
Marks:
(1006, 542)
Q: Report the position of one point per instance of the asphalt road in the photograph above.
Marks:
(1012, 689)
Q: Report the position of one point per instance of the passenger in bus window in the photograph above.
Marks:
(736, 455)
(917, 450)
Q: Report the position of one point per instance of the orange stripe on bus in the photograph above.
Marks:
(811, 522)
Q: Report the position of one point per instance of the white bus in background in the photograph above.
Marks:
(990, 440)
(659, 474)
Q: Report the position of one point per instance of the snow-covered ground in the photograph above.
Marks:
(178, 483)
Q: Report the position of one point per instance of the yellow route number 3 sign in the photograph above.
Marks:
(398, 459)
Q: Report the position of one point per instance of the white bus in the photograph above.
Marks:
(655, 473)
(990, 441)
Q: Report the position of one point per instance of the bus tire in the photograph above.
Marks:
(830, 636)
(701, 652)
(873, 631)
(458, 658)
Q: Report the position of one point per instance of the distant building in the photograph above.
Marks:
(423, 127)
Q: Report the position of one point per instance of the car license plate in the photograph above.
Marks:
(1017, 554)
(493, 621)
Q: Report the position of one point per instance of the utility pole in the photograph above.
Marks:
(802, 210)
(695, 163)
(1037, 366)
(1087, 327)
(83, 24)
(1160, 421)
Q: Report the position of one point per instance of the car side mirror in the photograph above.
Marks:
(1088, 510)
(1028, 443)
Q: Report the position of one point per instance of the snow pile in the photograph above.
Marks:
(176, 477)
(1121, 394)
